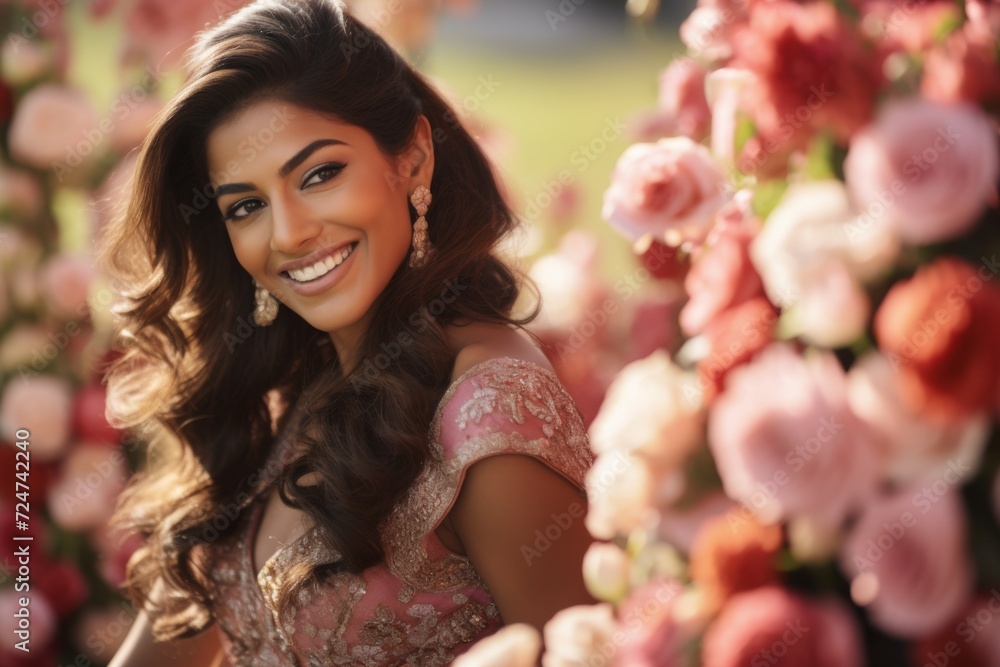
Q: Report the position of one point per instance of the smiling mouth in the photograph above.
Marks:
(321, 268)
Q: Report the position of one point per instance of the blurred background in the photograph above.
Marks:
(554, 89)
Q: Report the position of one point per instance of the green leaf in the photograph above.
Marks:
(767, 195)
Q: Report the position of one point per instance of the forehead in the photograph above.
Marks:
(271, 130)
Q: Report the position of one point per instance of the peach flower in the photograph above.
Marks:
(575, 634)
(915, 447)
(731, 555)
(939, 329)
(926, 169)
(771, 625)
(513, 645)
(42, 404)
(734, 338)
(906, 557)
(669, 190)
(50, 125)
(785, 442)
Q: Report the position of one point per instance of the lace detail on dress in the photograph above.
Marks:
(424, 605)
(493, 420)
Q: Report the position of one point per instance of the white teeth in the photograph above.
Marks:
(321, 268)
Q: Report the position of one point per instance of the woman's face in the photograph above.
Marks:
(296, 190)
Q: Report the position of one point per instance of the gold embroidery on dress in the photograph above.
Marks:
(505, 390)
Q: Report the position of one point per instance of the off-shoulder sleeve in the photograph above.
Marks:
(501, 406)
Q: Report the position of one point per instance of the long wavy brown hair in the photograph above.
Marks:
(200, 383)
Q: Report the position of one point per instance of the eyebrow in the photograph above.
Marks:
(296, 160)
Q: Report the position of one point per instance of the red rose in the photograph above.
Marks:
(939, 329)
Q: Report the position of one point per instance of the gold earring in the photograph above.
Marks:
(266, 306)
(421, 199)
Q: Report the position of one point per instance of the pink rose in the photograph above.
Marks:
(162, 30)
(654, 323)
(770, 625)
(915, 446)
(812, 70)
(44, 622)
(653, 637)
(50, 126)
(132, 127)
(669, 190)
(936, 166)
(41, 404)
(682, 97)
(785, 441)
(20, 193)
(569, 286)
(92, 478)
(66, 280)
(722, 275)
(708, 31)
(906, 557)
(984, 19)
(575, 634)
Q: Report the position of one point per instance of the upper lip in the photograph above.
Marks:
(314, 257)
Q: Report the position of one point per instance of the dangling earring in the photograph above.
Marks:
(421, 199)
(266, 306)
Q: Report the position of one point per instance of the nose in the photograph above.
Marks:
(293, 225)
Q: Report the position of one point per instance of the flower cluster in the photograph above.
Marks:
(803, 465)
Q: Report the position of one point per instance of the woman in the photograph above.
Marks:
(359, 459)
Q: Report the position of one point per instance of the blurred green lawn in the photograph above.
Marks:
(555, 106)
(552, 106)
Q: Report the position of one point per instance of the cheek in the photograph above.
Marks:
(248, 252)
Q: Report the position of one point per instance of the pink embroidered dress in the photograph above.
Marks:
(424, 604)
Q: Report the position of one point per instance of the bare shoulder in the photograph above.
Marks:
(481, 341)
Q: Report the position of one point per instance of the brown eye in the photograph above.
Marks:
(322, 173)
